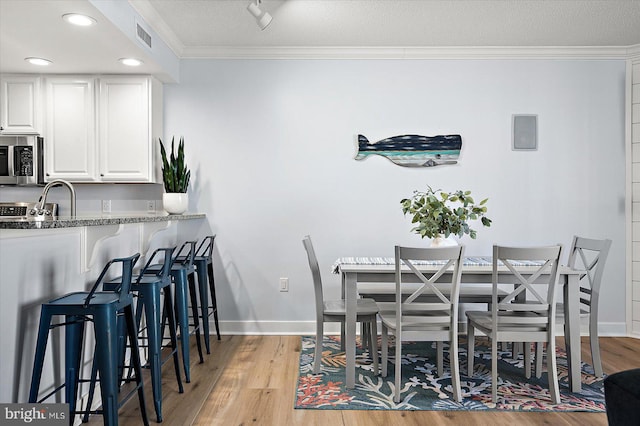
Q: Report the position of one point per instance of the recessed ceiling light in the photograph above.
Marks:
(78, 19)
(130, 62)
(38, 61)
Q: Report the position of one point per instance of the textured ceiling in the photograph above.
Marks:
(195, 25)
(311, 28)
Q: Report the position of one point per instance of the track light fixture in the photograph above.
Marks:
(262, 18)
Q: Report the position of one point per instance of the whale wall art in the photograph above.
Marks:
(413, 150)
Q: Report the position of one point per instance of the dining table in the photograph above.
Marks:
(370, 270)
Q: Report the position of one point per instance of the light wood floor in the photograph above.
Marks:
(250, 380)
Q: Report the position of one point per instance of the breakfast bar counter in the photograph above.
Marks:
(72, 222)
(42, 260)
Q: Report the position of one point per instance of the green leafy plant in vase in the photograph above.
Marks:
(175, 176)
(440, 214)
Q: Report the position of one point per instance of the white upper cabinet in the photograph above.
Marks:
(70, 138)
(102, 128)
(124, 124)
(20, 107)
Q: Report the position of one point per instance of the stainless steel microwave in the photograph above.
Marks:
(21, 160)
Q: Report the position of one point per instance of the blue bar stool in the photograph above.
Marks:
(204, 266)
(101, 308)
(148, 288)
(182, 271)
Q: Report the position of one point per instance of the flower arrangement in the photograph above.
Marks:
(439, 213)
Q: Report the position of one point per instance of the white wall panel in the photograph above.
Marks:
(635, 172)
(635, 151)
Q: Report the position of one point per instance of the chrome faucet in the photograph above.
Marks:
(43, 198)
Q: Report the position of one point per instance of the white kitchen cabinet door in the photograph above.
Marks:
(70, 137)
(124, 123)
(20, 106)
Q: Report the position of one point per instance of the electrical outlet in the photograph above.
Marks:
(284, 284)
(151, 206)
(106, 206)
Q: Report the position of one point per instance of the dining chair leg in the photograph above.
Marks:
(516, 348)
(398, 366)
(373, 351)
(365, 331)
(440, 358)
(470, 348)
(539, 355)
(552, 369)
(595, 345)
(317, 358)
(384, 349)
(526, 347)
(454, 364)
(494, 369)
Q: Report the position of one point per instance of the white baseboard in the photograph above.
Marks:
(273, 327)
(609, 329)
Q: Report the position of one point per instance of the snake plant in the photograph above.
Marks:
(175, 173)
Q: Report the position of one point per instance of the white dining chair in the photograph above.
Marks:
(335, 311)
(525, 315)
(435, 320)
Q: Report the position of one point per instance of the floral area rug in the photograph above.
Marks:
(422, 389)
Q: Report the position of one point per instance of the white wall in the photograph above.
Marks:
(271, 146)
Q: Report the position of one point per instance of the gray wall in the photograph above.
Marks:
(271, 146)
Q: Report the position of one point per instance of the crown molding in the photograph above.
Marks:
(454, 52)
(633, 52)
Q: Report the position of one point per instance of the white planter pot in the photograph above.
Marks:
(175, 202)
(444, 242)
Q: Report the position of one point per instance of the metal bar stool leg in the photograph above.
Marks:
(135, 355)
(151, 296)
(41, 346)
(106, 357)
(92, 391)
(74, 332)
(181, 309)
(168, 309)
(204, 302)
(214, 303)
(194, 310)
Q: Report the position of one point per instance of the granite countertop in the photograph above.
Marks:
(98, 220)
